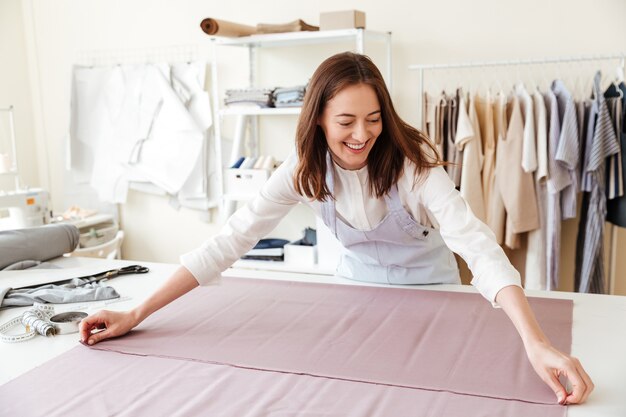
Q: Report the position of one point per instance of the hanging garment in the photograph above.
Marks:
(170, 147)
(428, 116)
(602, 145)
(469, 140)
(557, 180)
(90, 119)
(142, 129)
(484, 112)
(614, 179)
(188, 84)
(516, 187)
(454, 153)
(616, 208)
(496, 213)
(588, 111)
(568, 149)
(441, 132)
(536, 256)
(396, 251)
(529, 147)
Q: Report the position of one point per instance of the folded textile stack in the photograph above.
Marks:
(268, 249)
(289, 96)
(261, 97)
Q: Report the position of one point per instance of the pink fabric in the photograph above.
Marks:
(86, 382)
(441, 341)
(259, 348)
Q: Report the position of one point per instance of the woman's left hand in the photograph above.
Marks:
(550, 364)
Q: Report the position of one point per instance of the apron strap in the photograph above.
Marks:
(329, 215)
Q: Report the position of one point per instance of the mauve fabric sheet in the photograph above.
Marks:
(94, 383)
(382, 351)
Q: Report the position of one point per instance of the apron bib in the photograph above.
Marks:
(397, 251)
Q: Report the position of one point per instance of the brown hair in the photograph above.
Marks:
(397, 141)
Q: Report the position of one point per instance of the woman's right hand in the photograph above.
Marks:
(110, 324)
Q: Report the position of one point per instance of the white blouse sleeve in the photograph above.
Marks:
(466, 235)
(245, 227)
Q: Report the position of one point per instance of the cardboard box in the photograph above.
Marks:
(298, 254)
(244, 183)
(347, 19)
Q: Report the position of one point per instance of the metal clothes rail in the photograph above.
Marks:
(422, 68)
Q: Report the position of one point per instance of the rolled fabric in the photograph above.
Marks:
(217, 27)
(37, 243)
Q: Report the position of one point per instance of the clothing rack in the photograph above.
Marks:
(130, 56)
(422, 68)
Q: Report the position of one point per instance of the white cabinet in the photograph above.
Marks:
(247, 118)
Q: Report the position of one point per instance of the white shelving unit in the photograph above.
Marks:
(250, 115)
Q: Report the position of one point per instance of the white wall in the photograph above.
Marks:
(15, 90)
(423, 32)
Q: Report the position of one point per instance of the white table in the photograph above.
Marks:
(598, 339)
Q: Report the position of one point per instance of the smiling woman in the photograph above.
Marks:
(378, 185)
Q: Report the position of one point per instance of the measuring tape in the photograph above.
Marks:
(41, 319)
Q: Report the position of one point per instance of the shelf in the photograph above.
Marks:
(299, 38)
(259, 111)
(281, 266)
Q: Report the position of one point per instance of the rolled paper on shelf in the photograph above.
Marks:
(217, 27)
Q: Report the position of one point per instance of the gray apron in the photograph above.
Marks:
(397, 251)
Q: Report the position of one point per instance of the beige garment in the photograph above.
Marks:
(516, 186)
(536, 253)
(428, 116)
(529, 153)
(468, 140)
(484, 112)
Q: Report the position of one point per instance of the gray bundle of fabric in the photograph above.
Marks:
(36, 243)
(76, 290)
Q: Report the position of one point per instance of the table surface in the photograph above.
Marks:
(598, 334)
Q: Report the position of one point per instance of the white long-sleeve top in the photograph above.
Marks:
(433, 201)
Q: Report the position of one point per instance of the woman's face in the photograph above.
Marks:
(352, 122)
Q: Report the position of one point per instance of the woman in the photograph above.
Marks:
(379, 186)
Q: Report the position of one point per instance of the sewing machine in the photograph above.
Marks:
(23, 208)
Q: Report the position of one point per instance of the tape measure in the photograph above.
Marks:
(65, 323)
(41, 319)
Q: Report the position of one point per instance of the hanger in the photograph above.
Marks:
(619, 78)
(619, 72)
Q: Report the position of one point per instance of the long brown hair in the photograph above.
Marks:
(385, 162)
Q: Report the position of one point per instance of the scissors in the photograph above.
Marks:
(132, 269)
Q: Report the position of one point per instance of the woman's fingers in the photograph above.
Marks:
(552, 380)
(101, 320)
(88, 324)
(581, 384)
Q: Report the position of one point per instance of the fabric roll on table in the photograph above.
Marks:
(37, 243)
